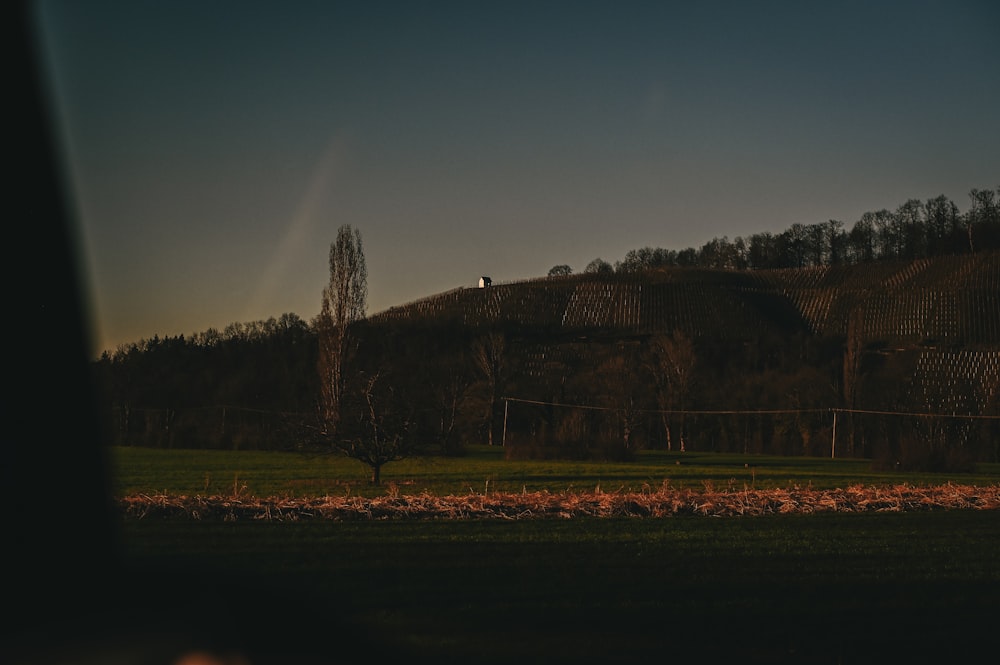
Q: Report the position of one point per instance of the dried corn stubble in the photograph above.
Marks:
(665, 502)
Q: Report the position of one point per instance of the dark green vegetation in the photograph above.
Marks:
(874, 588)
(485, 469)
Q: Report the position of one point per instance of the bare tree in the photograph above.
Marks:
(450, 382)
(619, 377)
(490, 355)
(344, 302)
(673, 360)
(381, 429)
(853, 355)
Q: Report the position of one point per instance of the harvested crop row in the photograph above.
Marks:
(666, 502)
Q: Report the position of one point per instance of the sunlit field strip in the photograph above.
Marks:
(664, 502)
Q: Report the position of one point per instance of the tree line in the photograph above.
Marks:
(208, 389)
(916, 229)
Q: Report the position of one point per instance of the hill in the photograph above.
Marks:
(953, 300)
(908, 337)
(893, 360)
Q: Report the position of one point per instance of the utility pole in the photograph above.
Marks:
(503, 440)
(833, 439)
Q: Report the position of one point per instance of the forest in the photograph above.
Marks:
(881, 341)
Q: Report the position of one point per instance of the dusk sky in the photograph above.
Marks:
(212, 149)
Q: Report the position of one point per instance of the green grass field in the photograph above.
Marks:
(920, 587)
(484, 469)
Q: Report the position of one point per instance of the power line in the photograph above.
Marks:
(915, 414)
(752, 412)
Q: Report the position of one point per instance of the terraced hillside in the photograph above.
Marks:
(951, 300)
(932, 324)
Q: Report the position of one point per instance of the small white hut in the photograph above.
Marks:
(484, 282)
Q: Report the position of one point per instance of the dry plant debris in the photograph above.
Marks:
(662, 502)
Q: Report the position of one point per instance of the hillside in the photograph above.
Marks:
(906, 353)
(909, 336)
(951, 300)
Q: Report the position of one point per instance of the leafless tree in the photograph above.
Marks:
(853, 354)
(619, 375)
(673, 360)
(490, 355)
(381, 431)
(449, 387)
(344, 302)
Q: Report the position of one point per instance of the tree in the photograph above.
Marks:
(861, 240)
(344, 302)
(794, 242)
(983, 218)
(888, 241)
(647, 258)
(816, 245)
(944, 226)
(672, 367)
(560, 271)
(450, 382)
(619, 379)
(687, 257)
(490, 356)
(853, 356)
(717, 253)
(911, 229)
(762, 251)
(380, 430)
(836, 241)
(600, 267)
(740, 253)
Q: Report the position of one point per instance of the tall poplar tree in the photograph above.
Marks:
(344, 302)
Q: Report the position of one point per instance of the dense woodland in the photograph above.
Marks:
(791, 335)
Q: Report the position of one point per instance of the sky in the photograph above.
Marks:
(211, 150)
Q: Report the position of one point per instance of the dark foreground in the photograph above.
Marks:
(834, 588)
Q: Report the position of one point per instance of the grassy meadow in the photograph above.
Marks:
(911, 587)
(484, 470)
